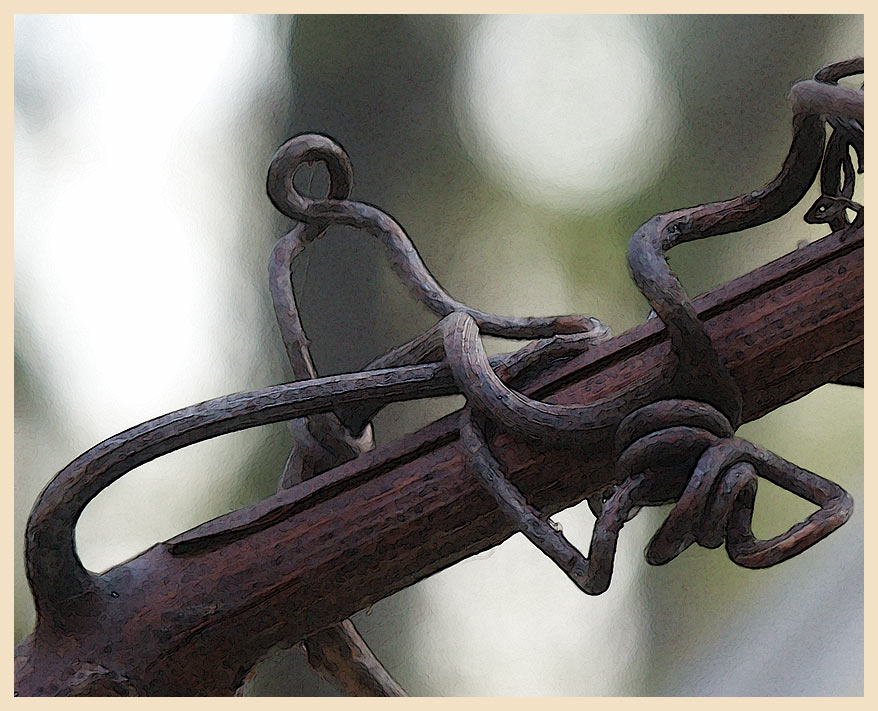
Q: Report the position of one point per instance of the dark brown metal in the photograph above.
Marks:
(402, 255)
(658, 444)
(718, 500)
(672, 410)
(192, 615)
(339, 654)
(322, 440)
(718, 504)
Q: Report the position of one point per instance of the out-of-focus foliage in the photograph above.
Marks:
(520, 153)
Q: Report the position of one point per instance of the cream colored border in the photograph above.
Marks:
(423, 7)
(394, 6)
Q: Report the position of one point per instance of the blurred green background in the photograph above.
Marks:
(520, 153)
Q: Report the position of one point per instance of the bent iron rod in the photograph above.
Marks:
(62, 586)
(53, 566)
(54, 570)
(299, 550)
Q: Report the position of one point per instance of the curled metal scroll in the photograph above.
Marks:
(404, 259)
(679, 449)
(324, 440)
(659, 443)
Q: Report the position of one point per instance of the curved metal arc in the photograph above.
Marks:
(700, 374)
(832, 73)
(519, 414)
(656, 415)
(54, 571)
(404, 259)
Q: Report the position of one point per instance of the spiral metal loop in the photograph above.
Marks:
(404, 259)
(679, 449)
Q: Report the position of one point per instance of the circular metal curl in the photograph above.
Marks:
(405, 261)
(306, 149)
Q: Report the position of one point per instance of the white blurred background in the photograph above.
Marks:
(520, 152)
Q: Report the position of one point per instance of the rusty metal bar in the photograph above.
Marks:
(191, 616)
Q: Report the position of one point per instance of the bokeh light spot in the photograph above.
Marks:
(570, 112)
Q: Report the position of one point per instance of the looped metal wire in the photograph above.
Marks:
(837, 176)
(658, 443)
(663, 440)
(488, 398)
(324, 440)
(717, 504)
(404, 258)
